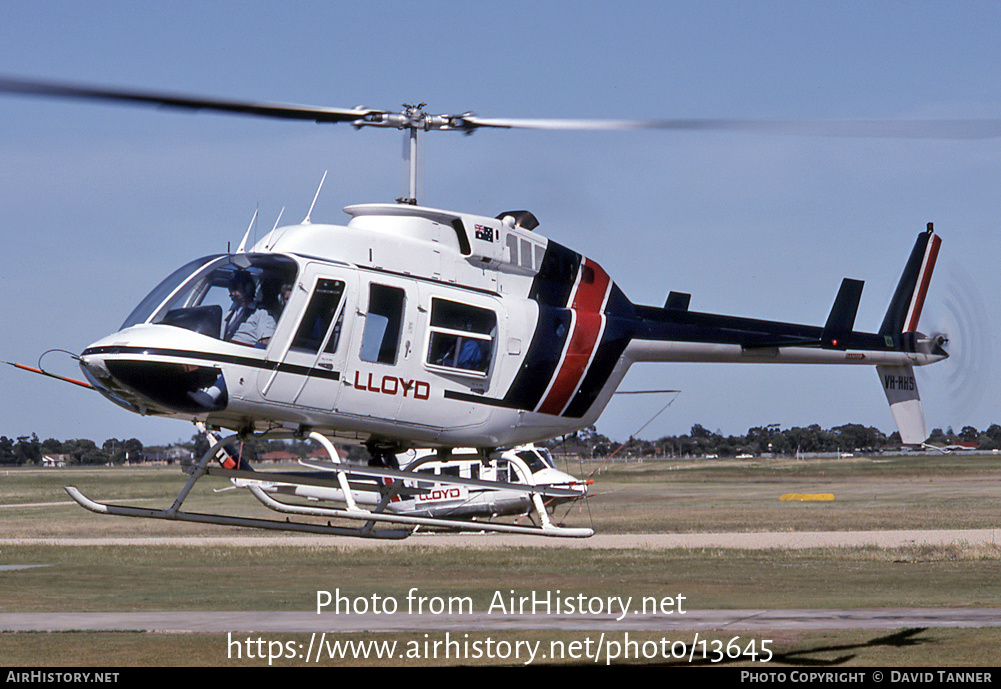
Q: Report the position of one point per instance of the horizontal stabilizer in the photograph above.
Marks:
(678, 300)
(841, 320)
(902, 393)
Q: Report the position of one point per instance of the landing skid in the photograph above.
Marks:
(200, 518)
(351, 511)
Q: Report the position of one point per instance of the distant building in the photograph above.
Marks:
(54, 460)
(278, 456)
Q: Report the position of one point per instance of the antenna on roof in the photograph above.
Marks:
(307, 221)
(243, 245)
(271, 239)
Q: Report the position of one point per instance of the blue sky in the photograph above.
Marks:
(98, 203)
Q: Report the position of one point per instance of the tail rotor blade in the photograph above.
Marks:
(960, 323)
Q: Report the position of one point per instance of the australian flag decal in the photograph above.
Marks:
(484, 233)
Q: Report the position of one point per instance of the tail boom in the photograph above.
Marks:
(675, 334)
(653, 351)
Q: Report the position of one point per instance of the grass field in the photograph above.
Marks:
(932, 492)
(662, 496)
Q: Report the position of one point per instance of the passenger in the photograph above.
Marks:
(470, 355)
(272, 299)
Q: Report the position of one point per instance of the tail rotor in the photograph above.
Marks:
(961, 328)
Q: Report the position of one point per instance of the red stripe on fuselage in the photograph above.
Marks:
(918, 300)
(586, 302)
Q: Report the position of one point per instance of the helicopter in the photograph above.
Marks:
(450, 493)
(418, 327)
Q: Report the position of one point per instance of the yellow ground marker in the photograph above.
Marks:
(803, 497)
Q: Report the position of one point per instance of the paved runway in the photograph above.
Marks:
(692, 620)
(739, 540)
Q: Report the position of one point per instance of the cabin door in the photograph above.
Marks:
(307, 370)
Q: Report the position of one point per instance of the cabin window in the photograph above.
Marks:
(526, 254)
(383, 323)
(503, 473)
(512, 247)
(461, 336)
(319, 314)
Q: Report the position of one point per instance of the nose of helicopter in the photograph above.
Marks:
(559, 479)
(152, 380)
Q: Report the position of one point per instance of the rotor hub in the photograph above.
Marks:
(414, 117)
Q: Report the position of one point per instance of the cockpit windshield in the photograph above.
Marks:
(537, 459)
(236, 297)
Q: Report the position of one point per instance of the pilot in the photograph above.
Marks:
(248, 323)
(241, 291)
(257, 330)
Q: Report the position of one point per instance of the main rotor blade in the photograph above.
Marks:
(279, 110)
(884, 129)
(880, 129)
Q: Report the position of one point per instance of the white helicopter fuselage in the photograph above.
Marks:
(417, 327)
(420, 258)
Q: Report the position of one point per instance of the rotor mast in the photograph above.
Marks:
(413, 168)
(413, 119)
(417, 115)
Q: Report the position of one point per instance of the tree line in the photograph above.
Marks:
(758, 441)
(29, 450)
(768, 440)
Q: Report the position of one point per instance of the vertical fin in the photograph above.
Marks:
(902, 317)
(924, 278)
(902, 393)
(905, 307)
